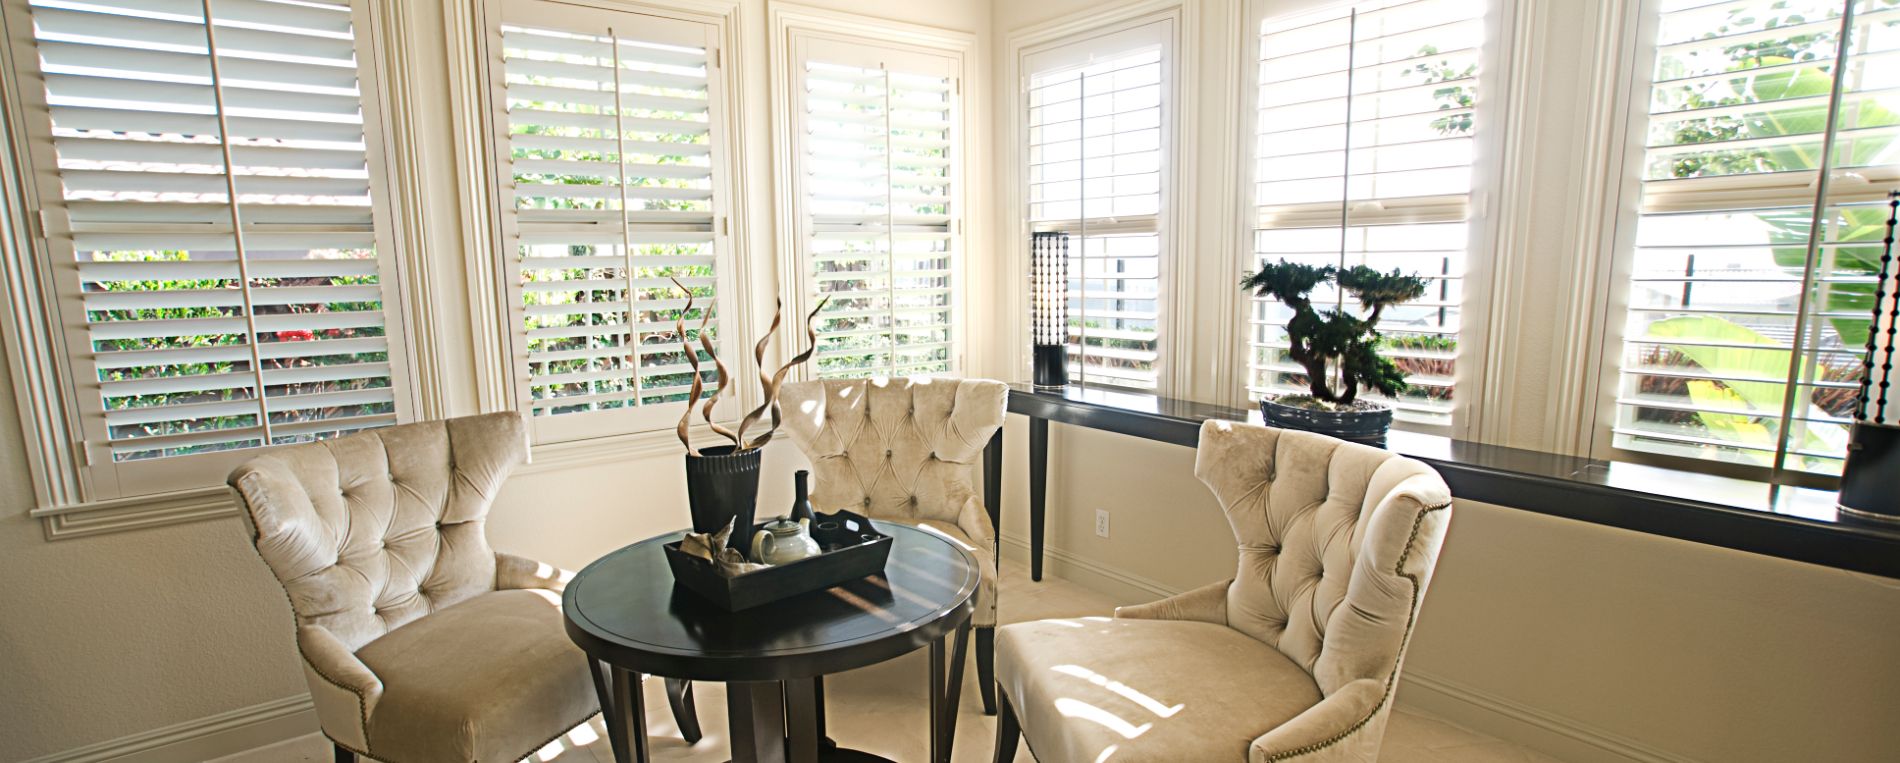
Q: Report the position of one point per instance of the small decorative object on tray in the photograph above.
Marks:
(712, 548)
(849, 547)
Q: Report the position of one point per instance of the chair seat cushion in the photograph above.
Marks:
(493, 678)
(1092, 688)
(984, 615)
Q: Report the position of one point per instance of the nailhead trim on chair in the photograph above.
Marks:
(1391, 681)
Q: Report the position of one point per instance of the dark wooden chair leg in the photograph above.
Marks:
(986, 667)
(679, 694)
(343, 755)
(1008, 730)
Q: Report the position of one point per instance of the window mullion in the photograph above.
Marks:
(890, 221)
(237, 224)
(626, 233)
(1819, 217)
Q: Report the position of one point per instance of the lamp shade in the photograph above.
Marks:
(1049, 308)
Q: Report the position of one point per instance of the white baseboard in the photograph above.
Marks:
(200, 739)
(1119, 585)
(1554, 735)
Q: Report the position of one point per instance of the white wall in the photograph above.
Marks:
(1538, 629)
(112, 636)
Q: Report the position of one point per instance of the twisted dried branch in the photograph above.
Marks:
(692, 359)
(758, 358)
(725, 381)
(778, 379)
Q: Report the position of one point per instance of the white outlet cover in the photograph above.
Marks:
(1101, 522)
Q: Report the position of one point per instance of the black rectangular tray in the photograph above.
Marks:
(847, 555)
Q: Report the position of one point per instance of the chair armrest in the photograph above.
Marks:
(343, 689)
(1346, 726)
(975, 522)
(1207, 604)
(514, 572)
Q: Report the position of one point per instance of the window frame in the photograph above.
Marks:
(639, 418)
(796, 29)
(47, 345)
(1178, 354)
(1489, 213)
(478, 121)
(1163, 224)
(1623, 214)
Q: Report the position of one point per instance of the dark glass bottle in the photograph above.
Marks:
(801, 497)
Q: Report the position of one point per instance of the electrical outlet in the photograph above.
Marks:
(1101, 522)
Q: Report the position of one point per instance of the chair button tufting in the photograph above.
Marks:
(888, 452)
(867, 500)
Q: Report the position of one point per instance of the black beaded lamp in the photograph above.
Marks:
(1049, 308)
(1870, 480)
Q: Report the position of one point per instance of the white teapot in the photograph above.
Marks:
(783, 541)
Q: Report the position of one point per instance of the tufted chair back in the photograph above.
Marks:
(894, 448)
(370, 531)
(1337, 544)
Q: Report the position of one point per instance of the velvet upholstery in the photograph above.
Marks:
(419, 641)
(904, 450)
(1337, 543)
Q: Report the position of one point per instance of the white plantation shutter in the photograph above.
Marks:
(876, 141)
(212, 206)
(1370, 105)
(1733, 133)
(1096, 145)
(612, 119)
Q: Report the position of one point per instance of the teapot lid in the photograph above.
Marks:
(782, 524)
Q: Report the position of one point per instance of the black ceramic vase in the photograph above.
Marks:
(1367, 427)
(1870, 481)
(722, 485)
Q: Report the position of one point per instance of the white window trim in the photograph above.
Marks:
(1501, 157)
(472, 32)
(1176, 328)
(791, 24)
(1594, 378)
(35, 345)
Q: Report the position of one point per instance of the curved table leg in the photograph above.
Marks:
(622, 709)
(955, 689)
(679, 694)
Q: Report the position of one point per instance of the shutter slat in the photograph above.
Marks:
(69, 57)
(100, 149)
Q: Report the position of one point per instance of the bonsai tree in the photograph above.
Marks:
(1338, 349)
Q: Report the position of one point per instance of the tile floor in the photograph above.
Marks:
(881, 709)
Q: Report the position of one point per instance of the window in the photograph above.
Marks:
(1760, 214)
(614, 123)
(211, 205)
(1096, 115)
(1366, 137)
(877, 142)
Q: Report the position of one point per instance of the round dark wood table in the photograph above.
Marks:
(626, 613)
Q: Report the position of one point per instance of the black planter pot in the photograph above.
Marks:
(722, 485)
(1364, 427)
(1870, 481)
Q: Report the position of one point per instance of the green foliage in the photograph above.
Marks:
(1747, 411)
(1453, 97)
(1326, 340)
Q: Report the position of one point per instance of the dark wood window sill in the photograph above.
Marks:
(1786, 522)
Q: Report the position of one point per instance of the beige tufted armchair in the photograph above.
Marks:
(419, 642)
(1295, 658)
(902, 450)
